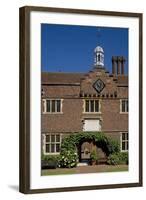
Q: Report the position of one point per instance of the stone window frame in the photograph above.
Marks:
(126, 141)
(55, 142)
(123, 112)
(84, 106)
(51, 99)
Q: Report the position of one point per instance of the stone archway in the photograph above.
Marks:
(85, 147)
(105, 145)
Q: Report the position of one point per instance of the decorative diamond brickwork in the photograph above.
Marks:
(99, 85)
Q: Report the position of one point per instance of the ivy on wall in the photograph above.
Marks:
(107, 144)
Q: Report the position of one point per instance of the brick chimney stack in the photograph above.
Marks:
(113, 64)
(122, 65)
(118, 65)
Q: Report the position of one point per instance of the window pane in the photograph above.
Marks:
(87, 106)
(126, 136)
(123, 105)
(57, 138)
(52, 138)
(92, 106)
(123, 145)
(127, 106)
(58, 106)
(52, 148)
(57, 147)
(43, 105)
(47, 148)
(96, 106)
(126, 145)
(48, 106)
(123, 136)
(47, 138)
(53, 105)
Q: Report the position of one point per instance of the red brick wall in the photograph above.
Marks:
(71, 120)
(68, 121)
(112, 120)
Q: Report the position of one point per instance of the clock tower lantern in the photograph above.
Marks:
(98, 57)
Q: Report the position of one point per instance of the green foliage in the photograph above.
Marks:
(68, 159)
(118, 158)
(106, 143)
(113, 146)
(94, 156)
(113, 159)
(49, 157)
(49, 161)
(68, 143)
(123, 157)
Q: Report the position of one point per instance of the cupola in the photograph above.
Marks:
(99, 56)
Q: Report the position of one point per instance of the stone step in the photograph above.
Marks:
(82, 164)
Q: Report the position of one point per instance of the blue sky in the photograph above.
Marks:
(69, 48)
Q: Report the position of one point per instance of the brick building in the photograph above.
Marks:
(76, 102)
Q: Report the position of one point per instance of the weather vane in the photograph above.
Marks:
(99, 35)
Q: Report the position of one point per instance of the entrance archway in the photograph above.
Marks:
(83, 143)
(85, 148)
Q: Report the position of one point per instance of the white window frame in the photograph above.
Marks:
(45, 106)
(122, 141)
(52, 153)
(84, 106)
(121, 112)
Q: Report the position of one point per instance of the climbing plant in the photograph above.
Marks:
(108, 145)
(68, 155)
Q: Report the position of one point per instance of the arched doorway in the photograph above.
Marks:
(103, 144)
(85, 149)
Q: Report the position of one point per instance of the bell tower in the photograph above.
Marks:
(98, 57)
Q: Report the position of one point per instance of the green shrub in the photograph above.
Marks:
(113, 146)
(94, 156)
(49, 161)
(50, 157)
(118, 158)
(123, 157)
(113, 159)
(68, 159)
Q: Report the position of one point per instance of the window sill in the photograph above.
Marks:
(124, 112)
(52, 113)
(47, 154)
(92, 113)
(124, 151)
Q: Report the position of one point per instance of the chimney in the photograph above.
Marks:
(122, 65)
(118, 65)
(114, 60)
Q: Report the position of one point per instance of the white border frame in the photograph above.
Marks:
(132, 176)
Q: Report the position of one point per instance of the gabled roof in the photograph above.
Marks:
(74, 78)
(61, 78)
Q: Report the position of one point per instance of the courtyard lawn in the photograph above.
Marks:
(85, 169)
